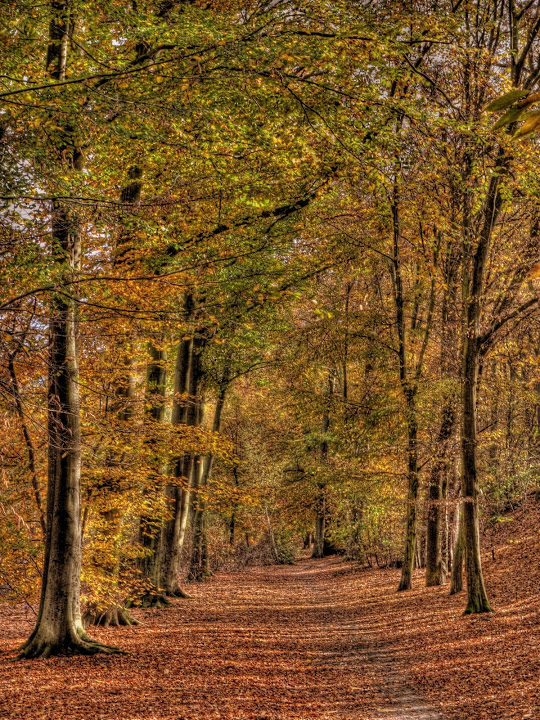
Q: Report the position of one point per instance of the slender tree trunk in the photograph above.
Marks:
(28, 442)
(187, 409)
(271, 535)
(199, 567)
(232, 521)
(150, 530)
(412, 492)
(477, 601)
(409, 394)
(435, 572)
(437, 545)
(445, 528)
(320, 522)
(456, 580)
(320, 508)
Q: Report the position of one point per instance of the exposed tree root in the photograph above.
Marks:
(113, 616)
(178, 593)
(153, 600)
(38, 647)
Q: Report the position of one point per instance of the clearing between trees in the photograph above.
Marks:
(319, 639)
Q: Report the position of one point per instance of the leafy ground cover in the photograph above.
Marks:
(318, 640)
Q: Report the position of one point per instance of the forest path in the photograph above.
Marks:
(272, 643)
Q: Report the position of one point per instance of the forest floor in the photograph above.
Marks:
(319, 640)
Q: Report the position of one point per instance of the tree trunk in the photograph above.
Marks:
(445, 528)
(456, 580)
(232, 521)
(435, 572)
(412, 493)
(409, 394)
(199, 566)
(59, 628)
(188, 411)
(320, 522)
(271, 535)
(473, 286)
(150, 535)
(477, 600)
(320, 509)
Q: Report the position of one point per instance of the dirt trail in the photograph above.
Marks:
(277, 643)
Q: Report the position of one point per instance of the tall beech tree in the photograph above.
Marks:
(59, 625)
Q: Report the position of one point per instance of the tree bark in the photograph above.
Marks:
(435, 569)
(187, 409)
(412, 492)
(473, 288)
(199, 566)
(456, 580)
(320, 507)
(409, 394)
(477, 600)
(150, 534)
(59, 628)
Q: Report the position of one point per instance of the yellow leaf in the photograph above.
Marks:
(532, 123)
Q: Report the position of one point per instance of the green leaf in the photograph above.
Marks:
(510, 116)
(506, 100)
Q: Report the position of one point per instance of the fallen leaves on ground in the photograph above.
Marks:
(314, 641)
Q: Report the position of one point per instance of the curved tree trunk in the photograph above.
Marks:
(28, 442)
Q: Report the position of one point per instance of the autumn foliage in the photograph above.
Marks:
(269, 287)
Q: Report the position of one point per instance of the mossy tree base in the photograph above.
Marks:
(404, 585)
(477, 606)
